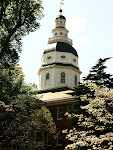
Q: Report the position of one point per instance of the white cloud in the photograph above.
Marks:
(81, 41)
(76, 24)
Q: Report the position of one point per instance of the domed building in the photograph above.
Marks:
(58, 75)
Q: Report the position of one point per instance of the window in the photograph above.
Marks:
(49, 57)
(74, 60)
(63, 56)
(62, 77)
(57, 23)
(47, 76)
(66, 35)
(55, 33)
(59, 140)
(61, 33)
(75, 80)
(60, 22)
(60, 113)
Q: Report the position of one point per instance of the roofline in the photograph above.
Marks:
(53, 90)
(58, 102)
(61, 64)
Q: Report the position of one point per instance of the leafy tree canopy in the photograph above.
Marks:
(17, 18)
(21, 118)
(94, 126)
(92, 114)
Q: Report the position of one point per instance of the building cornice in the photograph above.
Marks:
(55, 65)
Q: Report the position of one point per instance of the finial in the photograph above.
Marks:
(60, 11)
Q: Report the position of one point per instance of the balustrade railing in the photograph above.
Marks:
(59, 39)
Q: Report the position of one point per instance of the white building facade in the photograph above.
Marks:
(59, 65)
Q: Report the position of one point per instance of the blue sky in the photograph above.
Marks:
(90, 25)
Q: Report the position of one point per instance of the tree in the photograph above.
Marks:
(99, 76)
(44, 121)
(19, 117)
(23, 125)
(11, 81)
(94, 128)
(92, 114)
(20, 113)
(17, 18)
(77, 93)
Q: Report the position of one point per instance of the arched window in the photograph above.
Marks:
(75, 80)
(47, 76)
(62, 77)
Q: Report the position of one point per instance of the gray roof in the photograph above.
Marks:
(60, 17)
(61, 47)
(56, 97)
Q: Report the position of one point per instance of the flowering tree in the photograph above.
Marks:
(94, 125)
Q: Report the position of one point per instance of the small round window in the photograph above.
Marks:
(49, 57)
(74, 60)
(63, 56)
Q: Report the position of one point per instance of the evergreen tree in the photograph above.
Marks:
(92, 114)
(93, 128)
(99, 76)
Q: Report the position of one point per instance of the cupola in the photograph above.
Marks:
(60, 33)
(60, 20)
(59, 64)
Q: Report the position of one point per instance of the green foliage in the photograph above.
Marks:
(99, 76)
(44, 121)
(11, 80)
(20, 116)
(45, 117)
(21, 120)
(17, 18)
(94, 125)
(15, 125)
(78, 93)
(92, 114)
